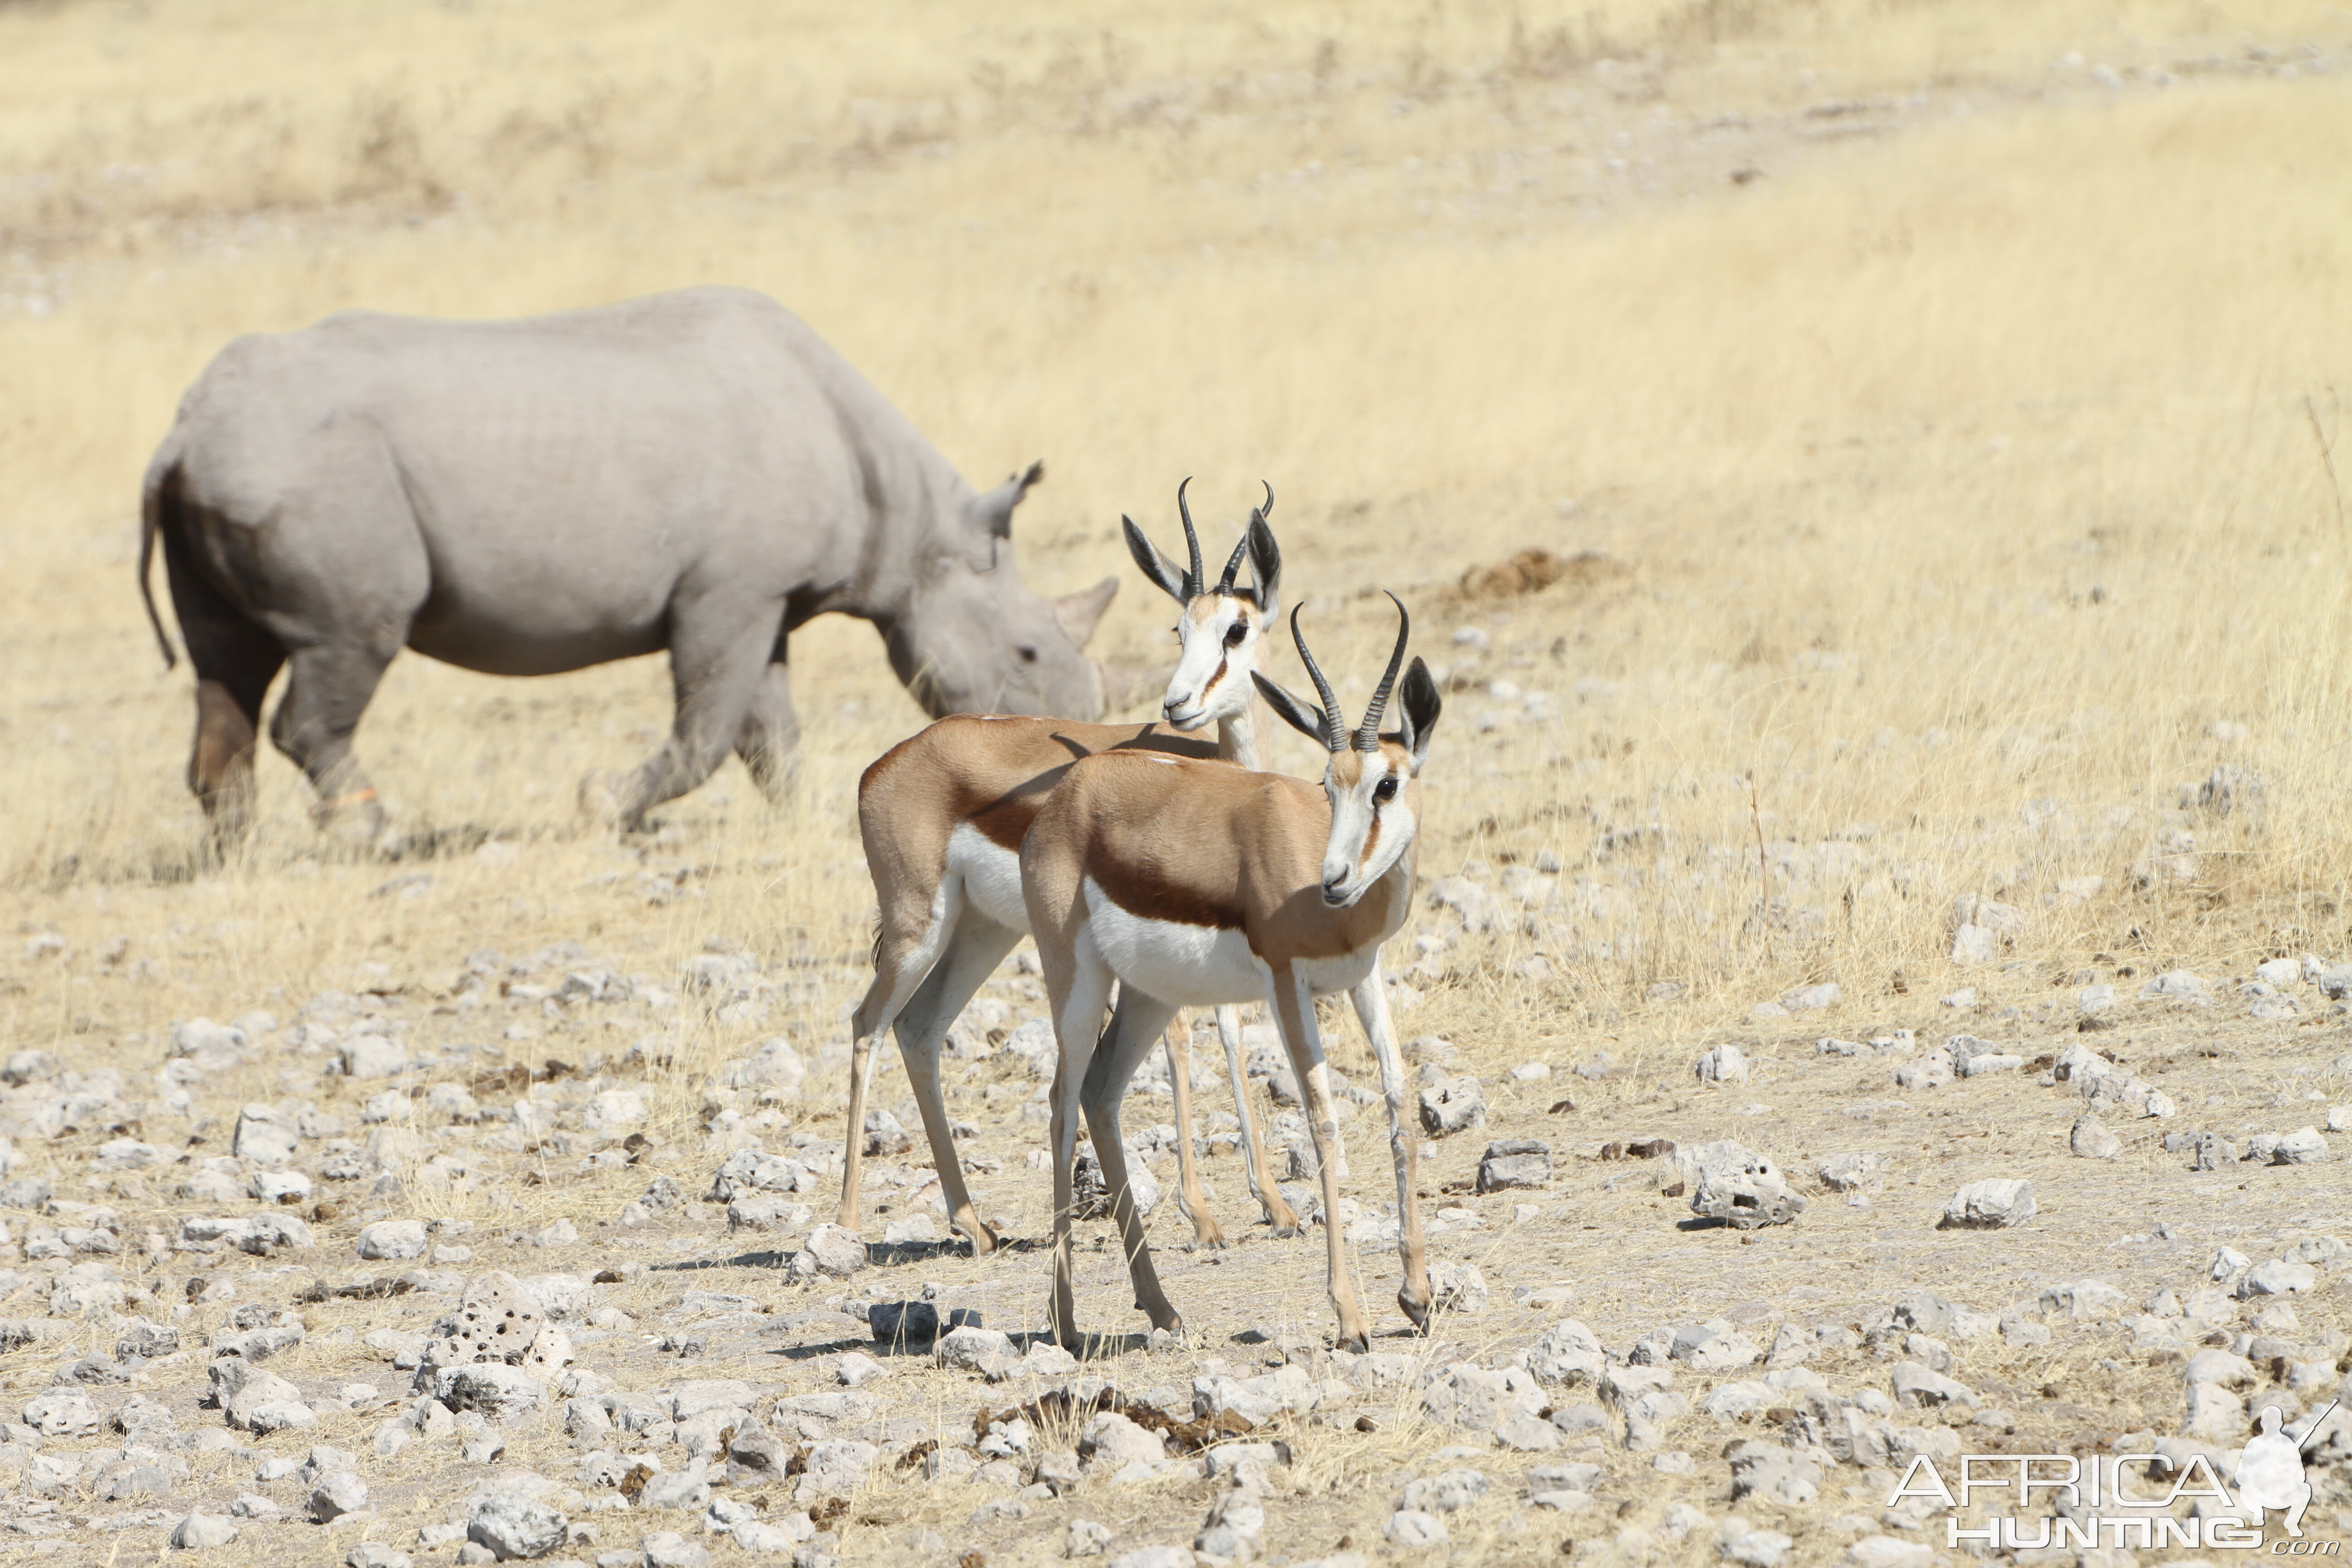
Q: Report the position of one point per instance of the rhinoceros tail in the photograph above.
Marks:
(159, 491)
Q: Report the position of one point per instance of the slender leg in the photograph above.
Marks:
(1136, 1023)
(853, 1138)
(769, 742)
(1083, 994)
(1371, 1000)
(977, 946)
(1279, 1215)
(327, 688)
(1194, 1201)
(1295, 1009)
(905, 956)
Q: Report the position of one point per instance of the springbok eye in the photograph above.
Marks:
(1385, 791)
(1235, 633)
(1028, 655)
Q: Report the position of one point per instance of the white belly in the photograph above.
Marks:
(991, 875)
(1326, 975)
(1187, 966)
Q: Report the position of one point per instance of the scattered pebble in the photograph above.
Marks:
(1451, 1105)
(2090, 1139)
(1990, 1205)
(1723, 1064)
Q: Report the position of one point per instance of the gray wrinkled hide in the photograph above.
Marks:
(694, 472)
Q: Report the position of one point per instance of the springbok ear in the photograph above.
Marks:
(1265, 567)
(1153, 563)
(1301, 716)
(1080, 611)
(1421, 708)
(993, 513)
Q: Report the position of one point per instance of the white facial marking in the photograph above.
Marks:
(1354, 858)
(1211, 679)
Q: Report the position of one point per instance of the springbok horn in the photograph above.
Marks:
(1335, 739)
(1368, 739)
(1267, 510)
(1233, 566)
(1192, 581)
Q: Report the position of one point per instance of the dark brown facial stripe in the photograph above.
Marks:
(1371, 840)
(1144, 889)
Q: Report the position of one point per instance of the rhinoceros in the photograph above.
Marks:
(696, 471)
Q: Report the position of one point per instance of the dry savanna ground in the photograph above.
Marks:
(1873, 476)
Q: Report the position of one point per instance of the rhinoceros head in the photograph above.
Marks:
(973, 638)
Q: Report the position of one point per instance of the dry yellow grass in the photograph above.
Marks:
(1953, 389)
(1969, 461)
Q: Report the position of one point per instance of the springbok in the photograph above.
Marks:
(1192, 885)
(942, 815)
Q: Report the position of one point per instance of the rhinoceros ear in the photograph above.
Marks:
(993, 513)
(1080, 612)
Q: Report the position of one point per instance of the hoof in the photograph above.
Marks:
(1356, 1344)
(984, 1241)
(599, 798)
(1416, 1307)
(353, 823)
(1285, 1232)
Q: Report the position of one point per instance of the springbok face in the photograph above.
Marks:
(1220, 626)
(1373, 781)
(1375, 811)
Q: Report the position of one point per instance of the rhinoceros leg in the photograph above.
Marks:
(235, 662)
(769, 740)
(716, 667)
(220, 765)
(328, 686)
